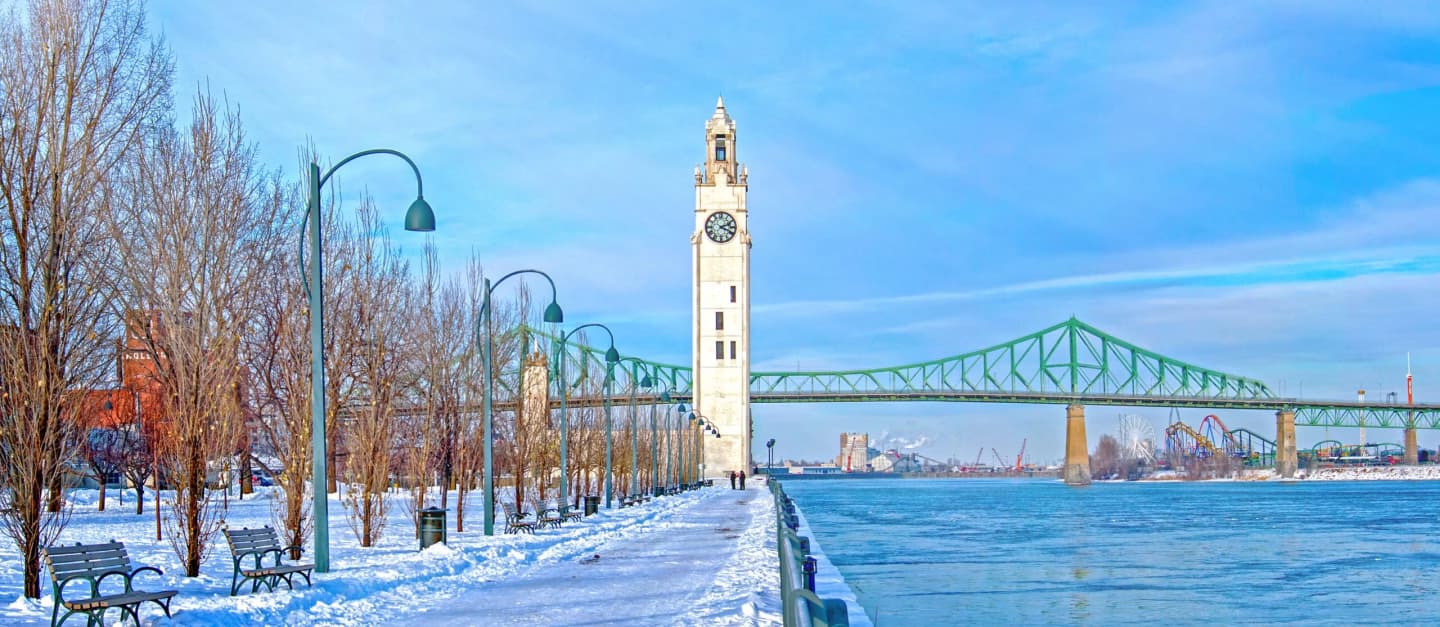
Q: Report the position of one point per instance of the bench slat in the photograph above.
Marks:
(81, 558)
(116, 600)
(83, 548)
(97, 568)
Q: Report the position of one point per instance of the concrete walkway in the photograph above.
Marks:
(703, 564)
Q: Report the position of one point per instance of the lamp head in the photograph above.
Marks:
(109, 405)
(665, 396)
(770, 443)
(553, 313)
(420, 217)
(647, 382)
(612, 356)
(681, 408)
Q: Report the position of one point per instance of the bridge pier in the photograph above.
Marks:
(1286, 461)
(1077, 454)
(1412, 447)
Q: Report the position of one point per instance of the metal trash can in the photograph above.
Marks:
(432, 527)
(592, 505)
(659, 491)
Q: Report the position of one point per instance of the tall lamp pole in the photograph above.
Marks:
(611, 356)
(649, 382)
(418, 218)
(634, 435)
(554, 315)
(769, 458)
(677, 446)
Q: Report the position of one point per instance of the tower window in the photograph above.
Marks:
(719, 147)
(719, 350)
(732, 350)
(719, 321)
(732, 293)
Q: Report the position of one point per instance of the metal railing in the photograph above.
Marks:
(798, 603)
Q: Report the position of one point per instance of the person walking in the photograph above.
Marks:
(742, 480)
(732, 480)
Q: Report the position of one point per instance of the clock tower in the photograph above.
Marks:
(721, 301)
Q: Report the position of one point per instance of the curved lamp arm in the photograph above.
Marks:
(419, 184)
(419, 218)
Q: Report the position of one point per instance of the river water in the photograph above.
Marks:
(989, 552)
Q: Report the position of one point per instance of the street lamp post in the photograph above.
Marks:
(418, 218)
(649, 382)
(634, 435)
(769, 458)
(676, 444)
(611, 357)
(554, 315)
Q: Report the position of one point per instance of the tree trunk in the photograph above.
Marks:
(139, 498)
(247, 481)
(102, 493)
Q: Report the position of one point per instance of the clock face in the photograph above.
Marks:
(720, 227)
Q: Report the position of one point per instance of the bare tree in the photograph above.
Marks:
(195, 229)
(1105, 461)
(378, 287)
(81, 81)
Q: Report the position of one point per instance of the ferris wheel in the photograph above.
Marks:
(1137, 437)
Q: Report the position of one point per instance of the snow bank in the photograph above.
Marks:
(391, 582)
(1374, 473)
(829, 583)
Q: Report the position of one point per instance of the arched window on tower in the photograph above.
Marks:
(719, 147)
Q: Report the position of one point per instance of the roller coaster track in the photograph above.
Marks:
(1177, 432)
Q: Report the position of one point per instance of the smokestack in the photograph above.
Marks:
(1409, 383)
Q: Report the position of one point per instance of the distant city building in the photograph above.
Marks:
(892, 461)
(822, 469)
(854, 452)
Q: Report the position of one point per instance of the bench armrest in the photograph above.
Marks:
(60, 584)
(259, 556)
(157, 571)
(299, 550)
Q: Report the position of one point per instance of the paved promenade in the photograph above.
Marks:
(706, 563)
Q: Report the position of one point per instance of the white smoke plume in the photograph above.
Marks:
(886, 442)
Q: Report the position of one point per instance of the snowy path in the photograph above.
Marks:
(700, 564)
(704, 557)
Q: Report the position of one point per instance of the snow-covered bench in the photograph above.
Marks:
(516, 522)
(257, 544)
(94, 563)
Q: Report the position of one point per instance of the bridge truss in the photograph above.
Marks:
(1068, 363)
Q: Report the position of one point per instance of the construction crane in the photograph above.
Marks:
(977, 458)
(1021, 456)
(999, 463)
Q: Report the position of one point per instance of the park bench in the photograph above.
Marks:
(516, 523)
(94, 563)
(257, 544)
(547, 516)
(567, 514)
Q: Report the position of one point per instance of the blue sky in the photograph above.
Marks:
(1251, 188)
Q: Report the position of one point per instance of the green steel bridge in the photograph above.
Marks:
(1067, 363)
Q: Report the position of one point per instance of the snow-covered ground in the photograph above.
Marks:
(1351, 473)
(704, 557)
(1373, 473)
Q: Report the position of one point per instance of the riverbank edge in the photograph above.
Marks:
(829, 582)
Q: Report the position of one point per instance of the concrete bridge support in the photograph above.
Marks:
(1412, 446)
(1286, 461)
(1077, 453)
